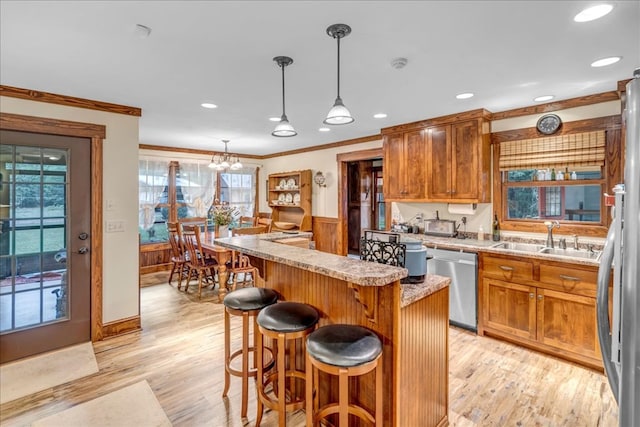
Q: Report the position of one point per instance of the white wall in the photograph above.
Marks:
(120, 195)
(324, 199)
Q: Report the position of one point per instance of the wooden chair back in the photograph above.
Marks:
(249, 230)
(175, 239)
(247, 221)
(191, 239)
(195, 220)
(266, 222)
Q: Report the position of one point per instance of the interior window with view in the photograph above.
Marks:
(559, 178)
(529, 199)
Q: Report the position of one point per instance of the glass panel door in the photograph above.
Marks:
(45, 268)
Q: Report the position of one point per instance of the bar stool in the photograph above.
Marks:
(245, 302)
(345, 351)
(284, 323)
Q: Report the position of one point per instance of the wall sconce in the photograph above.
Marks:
(320, 179)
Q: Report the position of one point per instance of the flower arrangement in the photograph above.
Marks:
(222, 213)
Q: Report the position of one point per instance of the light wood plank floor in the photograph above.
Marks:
(180, 354)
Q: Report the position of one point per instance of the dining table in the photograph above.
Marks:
(222, 255)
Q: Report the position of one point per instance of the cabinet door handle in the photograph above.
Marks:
(573, 279)
(531, 295)
(539, 297)
(506, 268)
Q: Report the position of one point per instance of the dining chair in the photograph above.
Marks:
(205, 267)
(247, 221)
(266, 222)
(178, 254)
(201, 222)
(240, 264)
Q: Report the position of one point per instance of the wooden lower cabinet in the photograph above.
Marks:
(510, 308)
(552, 310)
(567, 322)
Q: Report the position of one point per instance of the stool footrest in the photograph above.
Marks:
(334, 408)
(271, 402)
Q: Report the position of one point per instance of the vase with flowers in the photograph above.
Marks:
(222, 215)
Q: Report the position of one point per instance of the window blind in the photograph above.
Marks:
(581, 149)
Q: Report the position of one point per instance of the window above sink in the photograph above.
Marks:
(524, 193)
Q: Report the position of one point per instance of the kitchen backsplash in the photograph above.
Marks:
(410, 212)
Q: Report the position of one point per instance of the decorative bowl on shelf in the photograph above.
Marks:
(284, 225)
(274, 202)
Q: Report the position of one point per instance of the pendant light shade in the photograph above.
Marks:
(339, 113)
(284, 128)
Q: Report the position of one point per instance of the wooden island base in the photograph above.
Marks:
(414, 331)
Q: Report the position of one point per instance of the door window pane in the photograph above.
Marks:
(33, 238)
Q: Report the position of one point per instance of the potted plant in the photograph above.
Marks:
(222, 215)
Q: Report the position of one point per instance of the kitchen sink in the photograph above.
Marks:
(523, 247)
(571, 253)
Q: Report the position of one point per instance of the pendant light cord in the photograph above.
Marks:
(283, 110)
(339, 37)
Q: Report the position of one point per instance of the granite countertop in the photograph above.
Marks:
(339, 267)
(472, 245)
(412, 292)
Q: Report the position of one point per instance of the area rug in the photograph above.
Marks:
(135, 405)
(28, 376)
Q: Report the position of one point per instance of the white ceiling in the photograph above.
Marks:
(506, 52)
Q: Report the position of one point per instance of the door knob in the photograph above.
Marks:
(83, 236)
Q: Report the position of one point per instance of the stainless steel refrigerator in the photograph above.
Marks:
(620, 334)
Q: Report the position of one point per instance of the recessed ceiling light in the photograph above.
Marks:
(208, 105)
(592, 13)
(465, 95)
(606, 61)
(379, 115)
(274, 119)
(324, 129)
(543, 98)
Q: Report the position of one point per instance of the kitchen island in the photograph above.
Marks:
(412, 321)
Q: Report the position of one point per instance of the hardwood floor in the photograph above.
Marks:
(180, 353)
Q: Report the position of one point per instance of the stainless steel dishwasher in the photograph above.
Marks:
(462, 268)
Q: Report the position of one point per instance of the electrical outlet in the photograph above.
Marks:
(115, 227)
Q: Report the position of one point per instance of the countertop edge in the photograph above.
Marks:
(355, 271)
(413, 292)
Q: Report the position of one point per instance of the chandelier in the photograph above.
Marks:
(225, 161)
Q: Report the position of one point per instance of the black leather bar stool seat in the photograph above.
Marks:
(284, 323)
(245, 302)
(345, 351)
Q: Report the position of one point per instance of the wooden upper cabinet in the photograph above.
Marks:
(439, 165)
(404, 166)
(458, 165)
(445, 159)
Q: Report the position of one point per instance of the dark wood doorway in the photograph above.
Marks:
(359, 197)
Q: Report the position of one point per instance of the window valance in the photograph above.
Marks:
(573, 151)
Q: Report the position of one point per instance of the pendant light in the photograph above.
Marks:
(339, 114)
(284, 128)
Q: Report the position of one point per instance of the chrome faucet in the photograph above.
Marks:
(562, 243)
(550, 226)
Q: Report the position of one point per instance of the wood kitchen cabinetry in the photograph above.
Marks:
(445, 159)
(404, 164)
(546, 305)
(458, 162)
(290, 200)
